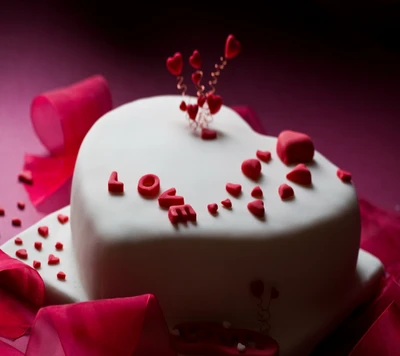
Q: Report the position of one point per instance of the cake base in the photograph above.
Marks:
(303, 332)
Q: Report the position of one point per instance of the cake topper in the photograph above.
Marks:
(200, 114)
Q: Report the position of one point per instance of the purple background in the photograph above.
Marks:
(332, 72)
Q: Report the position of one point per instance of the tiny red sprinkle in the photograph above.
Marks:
(227, 203)
(212, 208)
(16, 222)
(38, 245)
(2, 211)
(18, 241)
(61, 276)
(59, 246)
(62, 218)
(43, 231)
(36, 264)
(21, 205)
(22, 254)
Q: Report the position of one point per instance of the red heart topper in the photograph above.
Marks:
(195, 59)
(232, 47)
(175, 64)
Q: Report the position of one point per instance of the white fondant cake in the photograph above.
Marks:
(306, 248)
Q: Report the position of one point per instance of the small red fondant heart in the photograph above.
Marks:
(212, 208)
(251, 168)
(285, 191)
(36, 264)
(59, 246)
(114, 185)
(264, 156)
(300, 175)
(53, 260)
(21, 205)
(214, 103)
(62, 218)
(2, 211)
(16, 222)
(227, 203)
(294, 147)
(257, 192)
(61, 276)
(38, 245)
(21, 253)
(201, 100)
(257, 288)
(183, 106)
(234, 189)
(18, 241)
(196, 78)
(256, 207)
(195, 59)
(344, 176)
(169, 198)
(192, 110)
(25, 177)
(208, 134)
(43, 231)
(175, 64)
(274, 293)
(232, 47)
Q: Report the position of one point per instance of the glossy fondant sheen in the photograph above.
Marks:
(305, 247)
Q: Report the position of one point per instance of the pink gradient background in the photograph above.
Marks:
(346, 98)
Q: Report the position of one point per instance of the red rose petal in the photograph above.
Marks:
(62, 218)
(226, 203)
(149, 186)
(233, 189)
(208, 134)
(251, 168)
(22, 253)
(294, 147)
(16, 222)
(257, 192)
(43, 231)
(36, 264)
(37, 245)
(61, 276)
(285, 191)
(59, 246)
(256, 207)
(264, 156)
(25, 177)
(114, 185)
(212, 208)
(53, 260)
(344, 176)
(300, 175)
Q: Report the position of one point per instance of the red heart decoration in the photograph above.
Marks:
(257, 192)
(25, 177)
(285, 191)
(21, 253)
(214, 103)
(195, 59)
(256, 207)
(61, 276)
(232, 47)
(344, 176)
(53, 260)
(234, 189)
(175, 64)
(300, 175)
(264, 156)
(43, 231)
(183, 106)
(201, 100)
(208, 134)
(251, 168)
(192, 110)
(212, 208)
(36, 264)
(38, 245)
(196, 78)
(18, 241)
(227, 203)
(294, 147)
(62, 218)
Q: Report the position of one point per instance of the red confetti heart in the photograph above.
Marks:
(21, 205)
(53, 260)
(169, 198)
(43, 231)
(300, 175)
(227, 203)
(201, 100)
(38, 245)
(212, 208)
(59, 246)
(294, 147)
(175, 64)
(257, 288)
(264, 156)
(25, 177)
(114, 185)
(257, 192)
(256, 207)
(208, 134)
(36, 264)
(232, 47)
(16, 222)
(214, 103)
(192, 110)
(251, 168)
(195, 59)
(183, 106)
(18, 241)
(62, 218)
(21, 253)
(344, 176)
(285, 191)
(61, 276)
(234, 189)
(196, 78)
